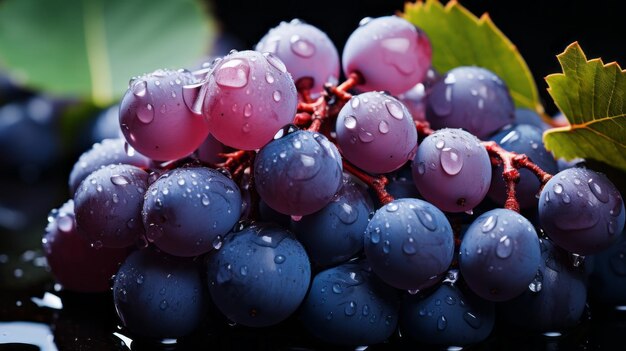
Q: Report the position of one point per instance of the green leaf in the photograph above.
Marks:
(592, 96)
(91, 48)
(461, 39)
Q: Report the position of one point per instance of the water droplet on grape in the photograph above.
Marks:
(337, 289)
(489, 224)
(163, 305)
(440, 144)
(504, 249)
(392, 207)
(558, 188)
(350, 309)
(364, 21)
(232, 73)
(65, 223)
(354, 102)
(510, 137)
(118, 179)
(472, 320)
(243, 270)
(279, 259)
(302, 47)
(365, 136)
(347, 214)
(375, 236)
(140, 88)
(597, 190)
(276, 95)
(451, 161)
(275, 61)
(217, 242)
(394, 109)
(349, 122)
(409, 247)
(383, 127)
(269, 78)
(442, 323)
(145, 113)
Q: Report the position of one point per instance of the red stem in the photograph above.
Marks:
(377, 183)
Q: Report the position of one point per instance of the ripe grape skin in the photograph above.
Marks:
(160, 296)
(460, 191)
(499, 255)
(389, 52)
(607, 274)
(528, 116)
(472, 98)
(209, 150)
(522, 139)
(560, 302)
(415, 98)
(243, 105)
(349, 305)
(108, 205)
(447, 316)
(298, 173)
(155, 118)
(187, 209)
(305, 50)
(74, 263)
(334, 234)
(104, 153)
(259, 276)
(581, 211)
(376, 132)
(409, 244)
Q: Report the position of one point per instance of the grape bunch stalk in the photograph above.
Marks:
(259, 188)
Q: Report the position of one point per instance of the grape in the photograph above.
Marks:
(528, 116)
(555, 299)
(499, 255)
(209, 151)
(447, 316)
(75, 264)
(298, 173)
(259, 276)
(335, 233)
(104, 153)
(389, 52)
(415, 98)
(522, 139)
(106, 125)
(268, 214)
(376, 132)
(307, 52)
(409, 244)
(607, 274)
(250, 96)
(349, 305)
(472, 98)
(187, 211)
(452, 170)
(155, 117)
(159, 296)
(581, 211)
(108, 205)
(401, 184)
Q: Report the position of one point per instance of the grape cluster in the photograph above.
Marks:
(261, 188)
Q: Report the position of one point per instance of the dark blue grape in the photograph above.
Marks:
(607, 274)
(522, 139)
(298, 173)
(349, 305)
(499, 255)
(448, 316)
(409, 244)
(108, 205)
(268, 214)
(335, 233)
(187, 211)
(555, 299)
(160, 296)
(260, 275)
(107, 152)
(106, 125)
(581, 211)
(472, 98)
(528, 116)
(401, 184)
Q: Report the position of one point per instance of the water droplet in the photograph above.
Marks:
(537, 283)
(163, 305)
(421, 168)
(275, 61)
(565, 198)
(347, 214)
(232, 73)
(269, 78)
(392, 207)
(451, 161)
(217, 242)
(489, 224)
(440, 144)
(472, 320)
(597, 190)
(329, 316)
(354, 102)
(450, 300)
(349, 122)
(350, 308)
(145, 113)
(365, 310)
(375, 236)
(302, 47)
(510, 137)
(278, 259)
(247, 110)
(394, 109)
(504, 249)
(140, 279)
(276, 95)
(139, 88)
(396, 45)
(246, 128)
(442, 323)
(243, 270)
(366, 136)
(118, 179)
(364, 21)
(612, 226)
(409, 247)
(426, 218)
(386, 246)
(558, 188)
(337, 289)
(65, 223)
(99, 188)
(383, 127)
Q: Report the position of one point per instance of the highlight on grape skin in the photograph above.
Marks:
(249, 97)
(389, 53)
(156, 119)
(307, 52)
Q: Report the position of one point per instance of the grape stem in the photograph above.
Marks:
(376, 183)
(511, 163)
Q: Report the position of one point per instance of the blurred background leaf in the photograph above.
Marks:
(88, 49)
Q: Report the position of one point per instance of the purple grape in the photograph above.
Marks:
(307, 52)
(415, 98)
(108, 205)
(472, 98)
(155, 118)
(389, 52)
(160, 296)
(401, 184)
(298, 173)
(522, 139)
(499, 255)
(349, 305)
(581, 211)
(107, 152)
(260, 275)
(452, 170)
(334, 234)
(209, 151)
(448, 316)
(187, 211)
(75, 264)
(249, 97)
(376, 133)
(409, 244)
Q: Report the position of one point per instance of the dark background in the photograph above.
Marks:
(540, 29)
